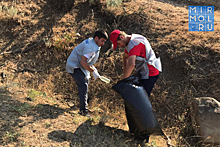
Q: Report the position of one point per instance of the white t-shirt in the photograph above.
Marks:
(89, 57)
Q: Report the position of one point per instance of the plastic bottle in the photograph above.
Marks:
(104, 79)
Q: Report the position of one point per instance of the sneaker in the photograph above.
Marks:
(84, 113)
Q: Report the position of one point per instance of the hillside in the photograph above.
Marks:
(38, 99)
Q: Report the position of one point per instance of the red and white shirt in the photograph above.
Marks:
(140, 50)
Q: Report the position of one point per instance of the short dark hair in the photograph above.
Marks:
(121, 33)
(119, 37)
(101, 34)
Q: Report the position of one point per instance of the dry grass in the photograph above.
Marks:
(36, 94)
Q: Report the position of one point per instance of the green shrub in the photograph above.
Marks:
(9, 10)
(12, 11)
(32, 94)
(64, 40)
(113, 3)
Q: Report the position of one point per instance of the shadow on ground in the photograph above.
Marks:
(50, 13)
(12, 110)
(94, 135)
(87, 134)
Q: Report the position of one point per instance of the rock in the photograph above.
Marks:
(70, 104)
(206, 113)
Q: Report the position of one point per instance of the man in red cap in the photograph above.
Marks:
(138, 52)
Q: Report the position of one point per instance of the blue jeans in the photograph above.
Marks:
(148, 84)
(82, 83)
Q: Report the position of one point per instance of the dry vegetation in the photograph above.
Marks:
(38, 99)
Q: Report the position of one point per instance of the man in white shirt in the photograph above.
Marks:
(80, 64)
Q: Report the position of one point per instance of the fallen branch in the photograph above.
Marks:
(26, 70)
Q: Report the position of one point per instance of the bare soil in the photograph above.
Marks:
(39, 101)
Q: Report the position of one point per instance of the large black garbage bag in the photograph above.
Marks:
(139, 113)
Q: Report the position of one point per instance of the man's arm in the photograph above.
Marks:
(84, 64)
(129, 66)
(125, 62)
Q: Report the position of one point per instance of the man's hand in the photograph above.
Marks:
(95, 73)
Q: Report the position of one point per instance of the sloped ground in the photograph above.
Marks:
(39, 100)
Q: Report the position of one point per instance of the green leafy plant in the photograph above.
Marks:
(23, 143)
(32, 94)
(21, 109)
(9, 10)
(113, 2)
(12, 11)
(47, 125)
(11, 136)
(64, 40)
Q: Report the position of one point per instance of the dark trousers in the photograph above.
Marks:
(82, 83)
(148, 84)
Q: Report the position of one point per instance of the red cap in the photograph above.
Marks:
(113, 37)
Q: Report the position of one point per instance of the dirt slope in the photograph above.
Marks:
(38, 99)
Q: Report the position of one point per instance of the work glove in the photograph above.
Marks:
(95, 73)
